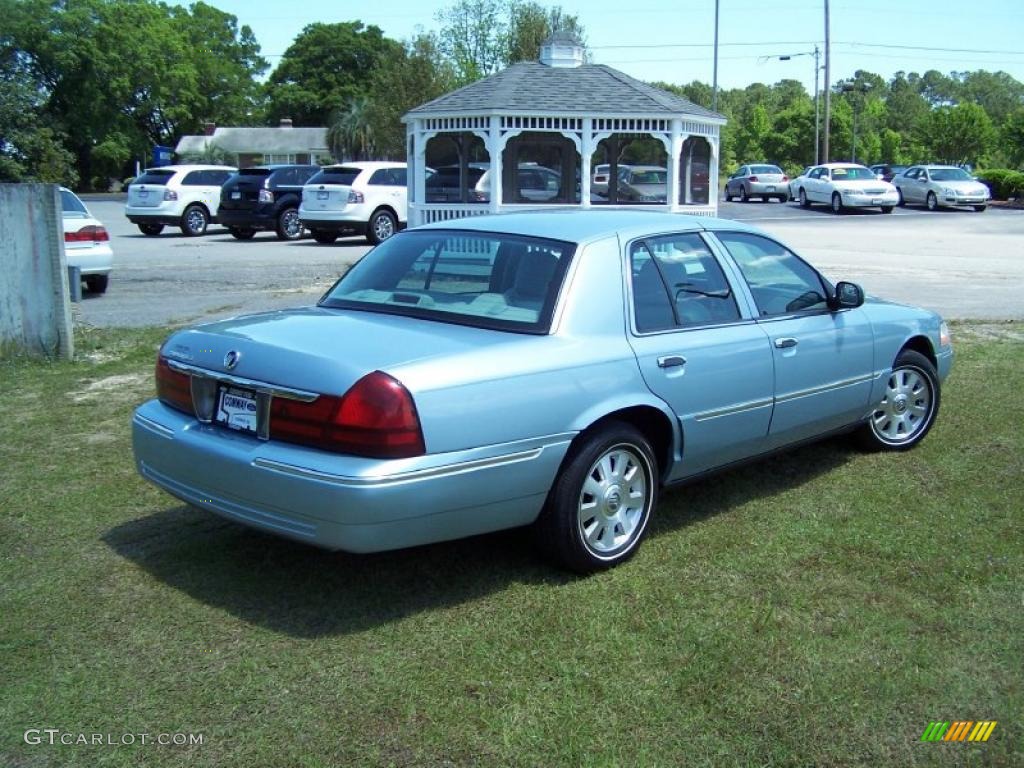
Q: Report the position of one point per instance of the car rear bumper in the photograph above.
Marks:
(344, 502)
(97, 260)
(769, 188)
(262, 216)
(861, 200)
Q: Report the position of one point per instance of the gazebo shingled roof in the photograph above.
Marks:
(592, 89)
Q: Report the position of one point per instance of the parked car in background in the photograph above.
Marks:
(535, 184)
(846, 185)
(887, 171)
(941, 186)
(643, 184)
(547, 368)
(763, 181)
(794, 183)
(356, 198)
(265, 197)
(444, 185)
(185, 196)
(599, 182)
(86, 242)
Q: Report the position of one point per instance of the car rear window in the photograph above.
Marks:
(154, 177)
(489, 280)
(765, 169)
(71, 205)
(337, 175)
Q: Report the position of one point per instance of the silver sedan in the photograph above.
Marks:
(764, 181)
(941, 186)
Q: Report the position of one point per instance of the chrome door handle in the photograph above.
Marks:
(785, 343)
(671, 361)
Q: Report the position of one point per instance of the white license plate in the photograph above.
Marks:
(143, 193)
(876, 201)
(236, 408)
(322, 195)
(770, 188)
(236, 195)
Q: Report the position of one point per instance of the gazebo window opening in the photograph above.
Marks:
(637, 172)
(540, 168)
(695, 171)
(459, 162)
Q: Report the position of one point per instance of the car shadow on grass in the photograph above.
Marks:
(307, 592)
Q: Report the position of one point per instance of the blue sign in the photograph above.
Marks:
(162, 156)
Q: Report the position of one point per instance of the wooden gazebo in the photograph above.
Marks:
(528, 136)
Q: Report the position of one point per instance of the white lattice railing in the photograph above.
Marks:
(428, 213)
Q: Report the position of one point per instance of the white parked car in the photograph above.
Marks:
(185, 196)
(941, 186)
(357, 198)
(846, 185)
(86, 242)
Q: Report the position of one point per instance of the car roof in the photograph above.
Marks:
(366, 165)
(842, 165)
(580, 226)
(191, 168)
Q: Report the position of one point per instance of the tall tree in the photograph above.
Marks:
(530, 24)
(960, 134)
(324, 69)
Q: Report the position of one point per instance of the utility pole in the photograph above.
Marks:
(817, 143)
(828, 84)
(714, 84)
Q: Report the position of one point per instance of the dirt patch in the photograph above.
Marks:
(123, 387)
(1010, 330)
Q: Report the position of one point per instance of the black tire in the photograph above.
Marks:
(980, 208)
(96, 283)
(932, 202)
(728, 195)
(804, 202)
(882, 431)
(598, 462)
(886, 209)
(194, 221)
(324, 237)
(288, 226)
(242, 233)
(899, 193)
(837, 203)
(151, 230)
(784, 198)
(744, 196)
(381, 226)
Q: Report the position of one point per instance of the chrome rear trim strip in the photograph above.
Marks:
(259, 386)
(742, 407)
(825, 388)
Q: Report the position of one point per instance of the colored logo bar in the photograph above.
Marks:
(959, 730)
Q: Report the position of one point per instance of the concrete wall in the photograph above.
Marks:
(35, 308)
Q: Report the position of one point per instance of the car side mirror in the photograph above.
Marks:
(847, 296)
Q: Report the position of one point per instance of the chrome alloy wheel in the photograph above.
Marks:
(614, 501)
(383, 226)
(195, 220)
(290, 225)
(906, 408)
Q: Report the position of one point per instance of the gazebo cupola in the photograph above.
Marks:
(560, 132)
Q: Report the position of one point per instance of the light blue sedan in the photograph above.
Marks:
(551, 369)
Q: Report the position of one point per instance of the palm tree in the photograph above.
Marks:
(350, 136)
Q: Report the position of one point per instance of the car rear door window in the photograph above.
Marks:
(385, 177)
(780, 281)
(155, 177)
(340, 175)
(196, 179)
(678, 283)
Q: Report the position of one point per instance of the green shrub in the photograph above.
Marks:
(1004, 183)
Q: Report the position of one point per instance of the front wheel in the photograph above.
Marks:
(597, 511)
(899, 193)
(932, 202)
(804, 202)
(382, 225)
(728, 195)
(324, 237)
(288, 225)
(837, 203)
(194, 221)
(151, 230)
(242, 233)
(97, 283)
(908, 407)
(886, 209)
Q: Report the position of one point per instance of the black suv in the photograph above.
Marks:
(264, 197)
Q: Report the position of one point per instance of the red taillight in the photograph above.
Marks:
(88, 234)
(785, 178)
(752, 178)
(376, 418)
(173, 387)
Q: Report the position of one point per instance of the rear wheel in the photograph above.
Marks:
(194, 221)
(744, 195)
(804, 202)
(598, 509)
(96, 283)
(242, 233)
(908, 407)
(932, 202)
(382, 225)
(784, 198)
(288, 225)
(151, 230)
(324, 237)
(728, 194)
(837, 203)
(980, 208)
(886, 209)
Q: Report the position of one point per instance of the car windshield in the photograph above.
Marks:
(766, 169)
(648, 177)
(949, 174)
(856, 173)
(71, 206)
(336, 175)
(154, 177)
(490, 280)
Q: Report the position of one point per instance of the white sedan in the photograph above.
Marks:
(846, 185)
(86, 242)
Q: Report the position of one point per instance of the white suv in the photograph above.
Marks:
(363, 198)
(185, 196)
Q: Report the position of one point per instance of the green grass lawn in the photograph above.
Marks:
(819, 608)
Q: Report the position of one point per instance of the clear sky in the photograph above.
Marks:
(672, 41)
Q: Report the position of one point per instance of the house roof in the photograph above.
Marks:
(588, 90)
(276, 141)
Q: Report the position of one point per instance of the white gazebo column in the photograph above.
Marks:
(587, 148)
(419, 171)
(495, 147)
(713, 173)
(675, 147)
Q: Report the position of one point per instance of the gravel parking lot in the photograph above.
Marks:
(960, 263)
